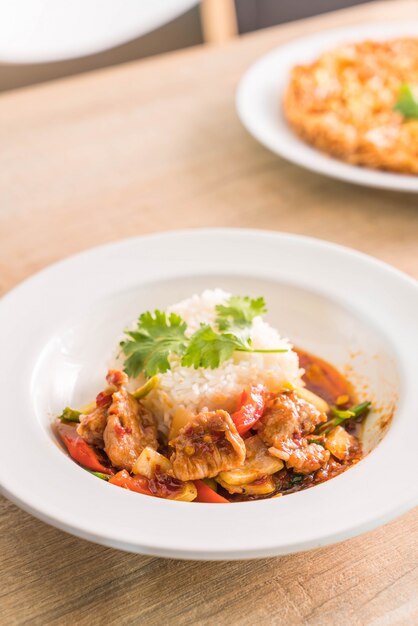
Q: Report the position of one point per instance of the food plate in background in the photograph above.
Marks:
(58, 331)
(260, 94)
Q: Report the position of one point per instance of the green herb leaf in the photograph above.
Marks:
(341, 416)
(70, 415)
(407, 102)
(155, 337)
(239, 312)
(207, 348)
(236, 317)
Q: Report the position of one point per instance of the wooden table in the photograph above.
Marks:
(157, 145)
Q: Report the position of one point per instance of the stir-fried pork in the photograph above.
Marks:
(207, 445)
(129, 429)
(283, 426)
(92, 425)
(116, 379)
(301, 456)
(286, 416)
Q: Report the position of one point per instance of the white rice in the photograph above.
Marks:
(192, 390)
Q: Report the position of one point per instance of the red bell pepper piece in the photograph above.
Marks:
(252, 405)
(206, 494)
(133, 483)
(80, 450)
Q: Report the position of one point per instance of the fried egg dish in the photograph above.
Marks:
(359, 103)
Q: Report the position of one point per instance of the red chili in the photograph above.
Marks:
(252, 406)
(206, 494)
(80, 450)
(103, 399)
(133, 483)
(163, 485)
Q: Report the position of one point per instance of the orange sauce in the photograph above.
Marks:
(324, 379)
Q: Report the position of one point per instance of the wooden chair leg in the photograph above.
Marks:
(219, 20)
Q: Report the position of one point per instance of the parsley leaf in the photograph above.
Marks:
(239, 312)
(407, 102)
(207, 348)
(155, 337)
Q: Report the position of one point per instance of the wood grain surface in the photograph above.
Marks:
(156, 145)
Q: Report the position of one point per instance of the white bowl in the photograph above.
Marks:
(58, 331)
(260, 95)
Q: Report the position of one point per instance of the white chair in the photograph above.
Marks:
(41, 31)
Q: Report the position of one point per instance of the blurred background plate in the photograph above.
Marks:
(260, 94)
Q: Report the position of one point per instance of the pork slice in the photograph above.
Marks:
(93, 424)
(288, 415)
(207, 445)
(301, 456)
(116, 379)
(130, 428)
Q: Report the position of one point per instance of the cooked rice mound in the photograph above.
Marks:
(192, 390)
(343, 104)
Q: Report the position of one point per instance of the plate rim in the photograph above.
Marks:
(313, 159)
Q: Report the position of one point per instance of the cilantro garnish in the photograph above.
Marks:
(407, 102)
(239, 312)
(153, 340)
(156, 337)
(208, 348)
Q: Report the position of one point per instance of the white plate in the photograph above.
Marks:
(58, 331)
(260, 94)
